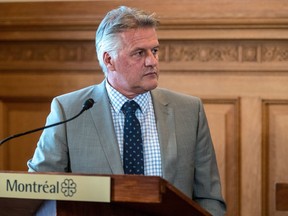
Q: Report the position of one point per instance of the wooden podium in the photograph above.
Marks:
(130, 195)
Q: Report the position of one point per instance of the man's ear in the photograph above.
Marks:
(108, 60)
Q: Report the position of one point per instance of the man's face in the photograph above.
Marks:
(135, 69)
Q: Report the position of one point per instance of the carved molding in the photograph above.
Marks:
(47, 52)
(232, 51)
(237, 53)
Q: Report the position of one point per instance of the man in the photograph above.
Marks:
(174, 140)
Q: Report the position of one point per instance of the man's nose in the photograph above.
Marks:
(151, 59)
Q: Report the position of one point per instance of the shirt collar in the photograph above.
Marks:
(117, 99)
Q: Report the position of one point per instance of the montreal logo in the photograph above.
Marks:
(68, 187)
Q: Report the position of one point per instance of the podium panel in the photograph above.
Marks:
(130, 195)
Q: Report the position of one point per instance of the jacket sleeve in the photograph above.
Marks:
(51, 153)
(207, 186)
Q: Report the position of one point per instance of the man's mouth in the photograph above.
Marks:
(151, 74)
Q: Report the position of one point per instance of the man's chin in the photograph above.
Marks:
(151, 87)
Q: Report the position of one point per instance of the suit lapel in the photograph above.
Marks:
(166, 132)
(104, 125)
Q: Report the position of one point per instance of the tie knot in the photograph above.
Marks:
(130, 107)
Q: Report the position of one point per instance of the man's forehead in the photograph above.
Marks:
(143, 37)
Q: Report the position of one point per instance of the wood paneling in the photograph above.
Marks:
(223, 118)
(23, 116)
(232, 54)
(275, 151)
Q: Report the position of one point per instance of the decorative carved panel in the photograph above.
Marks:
(81, 54)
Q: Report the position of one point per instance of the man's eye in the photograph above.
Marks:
(140, 53)
(155, 51)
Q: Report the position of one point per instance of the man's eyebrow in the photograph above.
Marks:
(142, 48)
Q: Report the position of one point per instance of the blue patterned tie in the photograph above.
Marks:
(133, 161)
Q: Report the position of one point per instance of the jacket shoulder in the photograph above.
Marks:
(169, 96)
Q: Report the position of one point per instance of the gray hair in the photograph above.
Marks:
(117, 21)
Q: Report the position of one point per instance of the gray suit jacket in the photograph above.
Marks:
(88, 144)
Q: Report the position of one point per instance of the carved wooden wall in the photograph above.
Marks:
(232, 54)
